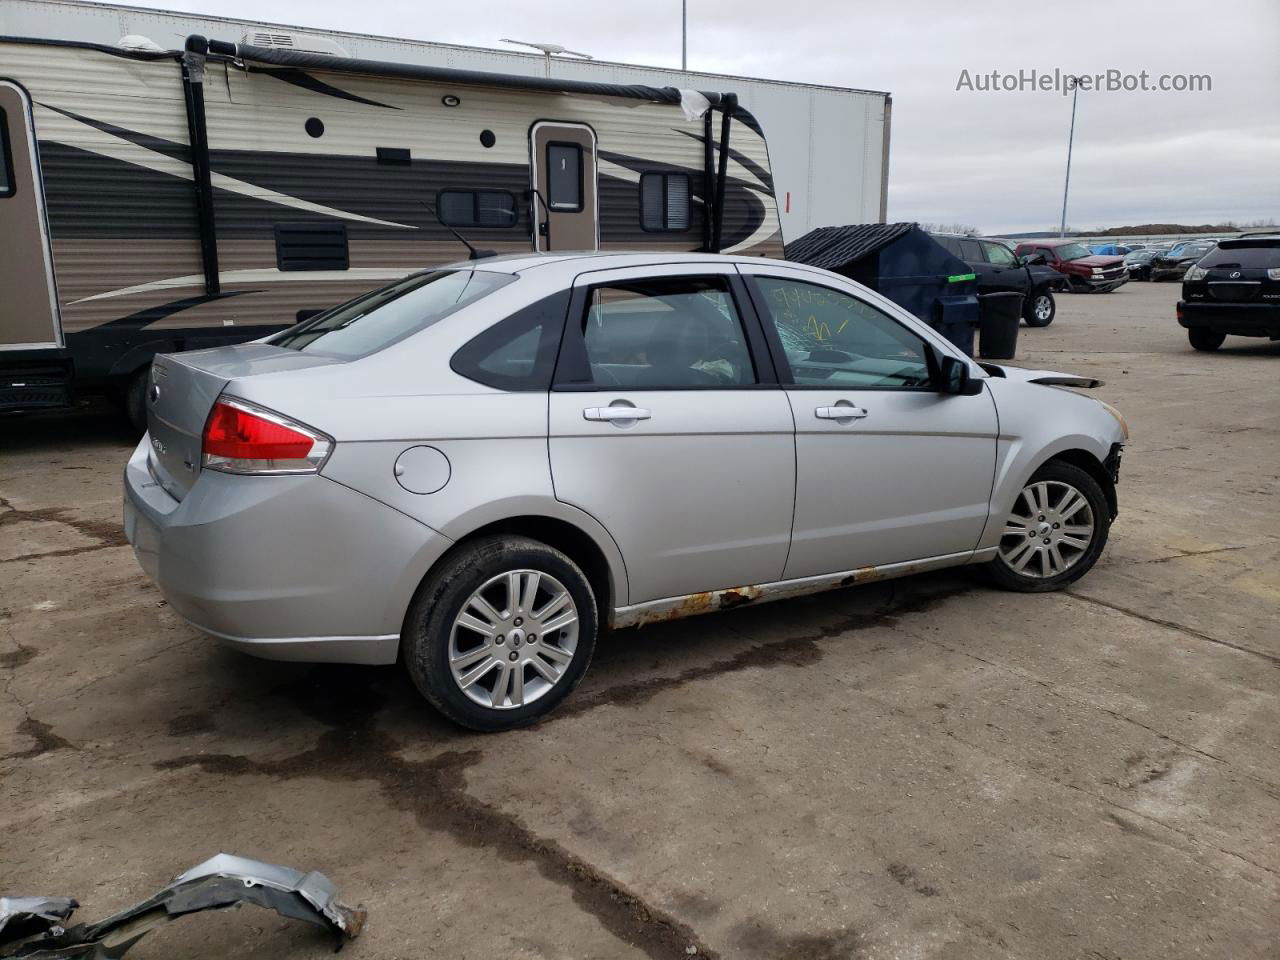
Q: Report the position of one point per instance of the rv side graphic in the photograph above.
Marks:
(154, 201)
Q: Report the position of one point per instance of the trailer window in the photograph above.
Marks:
(477, 208)
(664, 201)
(564, 177)
(6, 162)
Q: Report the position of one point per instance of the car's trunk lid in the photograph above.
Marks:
(182, 390)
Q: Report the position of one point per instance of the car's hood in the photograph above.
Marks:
(1048, 378)
(1099, 260)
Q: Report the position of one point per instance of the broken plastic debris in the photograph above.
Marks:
(32, 927)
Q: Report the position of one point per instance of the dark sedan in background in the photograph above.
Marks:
(1234, 290)
(1179, 259)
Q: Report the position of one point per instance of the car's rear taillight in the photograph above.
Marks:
(241, 437)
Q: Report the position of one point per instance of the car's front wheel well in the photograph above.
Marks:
(1091, 465)
(563, 536)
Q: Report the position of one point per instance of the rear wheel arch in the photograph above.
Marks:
(571, 540)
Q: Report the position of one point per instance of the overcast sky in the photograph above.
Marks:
(992, 160)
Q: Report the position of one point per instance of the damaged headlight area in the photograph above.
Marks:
(35, 927)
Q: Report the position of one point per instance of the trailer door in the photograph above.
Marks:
(29, 308)
(565, 209)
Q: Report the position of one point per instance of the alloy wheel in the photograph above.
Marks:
(1042, 307)
(513, 639)
(1049, 530)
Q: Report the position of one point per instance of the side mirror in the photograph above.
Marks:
(953, 378)
(1036, 260)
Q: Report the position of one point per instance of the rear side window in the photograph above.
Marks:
(1257, 255)
(477, 208)
(664, 201)
(6, 160)
(669, 333)
(518, 353)
(970, 250)
(564, 177)
(950, 244)
(377, 320)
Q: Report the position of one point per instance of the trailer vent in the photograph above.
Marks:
(311, 246)
(279, 40)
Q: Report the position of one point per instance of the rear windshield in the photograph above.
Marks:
(1256, 255)
(377, 320)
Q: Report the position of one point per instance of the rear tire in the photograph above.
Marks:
(472, 639)
(1055, 533)
(1040, 309)
(1203, 339)
(135, 400)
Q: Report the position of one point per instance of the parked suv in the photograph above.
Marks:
(1175, 262)
(1085, 271)
(1234, 290)
(1000, 270)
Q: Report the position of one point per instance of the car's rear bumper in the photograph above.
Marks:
(287, 568)
(1235, 319)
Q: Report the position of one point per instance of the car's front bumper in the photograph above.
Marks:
(1235, 319)
(286, 567)
(1168, 273)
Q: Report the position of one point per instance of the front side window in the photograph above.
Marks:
(999, 254)
(377, 320)
(477, 208)
(564, 177)
(831, 339)
(670, 333)
(6, 160)
(664, 201)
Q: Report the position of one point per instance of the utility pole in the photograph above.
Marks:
(684, 35)
(1075, 91)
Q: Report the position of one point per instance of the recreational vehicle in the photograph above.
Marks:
(156, 200)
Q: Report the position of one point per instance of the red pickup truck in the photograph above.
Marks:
(1084, 270)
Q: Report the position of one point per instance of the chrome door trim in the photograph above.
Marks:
(692, 604)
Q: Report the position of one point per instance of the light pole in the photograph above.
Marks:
(1075, 91)
(684, 35)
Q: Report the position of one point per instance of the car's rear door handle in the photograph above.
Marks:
(841, 411)
(615, 413)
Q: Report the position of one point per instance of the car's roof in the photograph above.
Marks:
(588, 260)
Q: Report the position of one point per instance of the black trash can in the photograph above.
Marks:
(998, 317)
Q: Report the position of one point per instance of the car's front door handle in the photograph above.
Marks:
(841, 411)
(615, 413)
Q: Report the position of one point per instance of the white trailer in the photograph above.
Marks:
(828, 146)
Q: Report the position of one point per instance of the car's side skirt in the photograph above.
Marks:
(674, 608)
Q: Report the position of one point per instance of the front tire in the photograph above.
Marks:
(1055, 533)
(500, 633)
(1040, 309)
(1206, 340)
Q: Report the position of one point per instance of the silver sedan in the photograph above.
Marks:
(478, 468)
